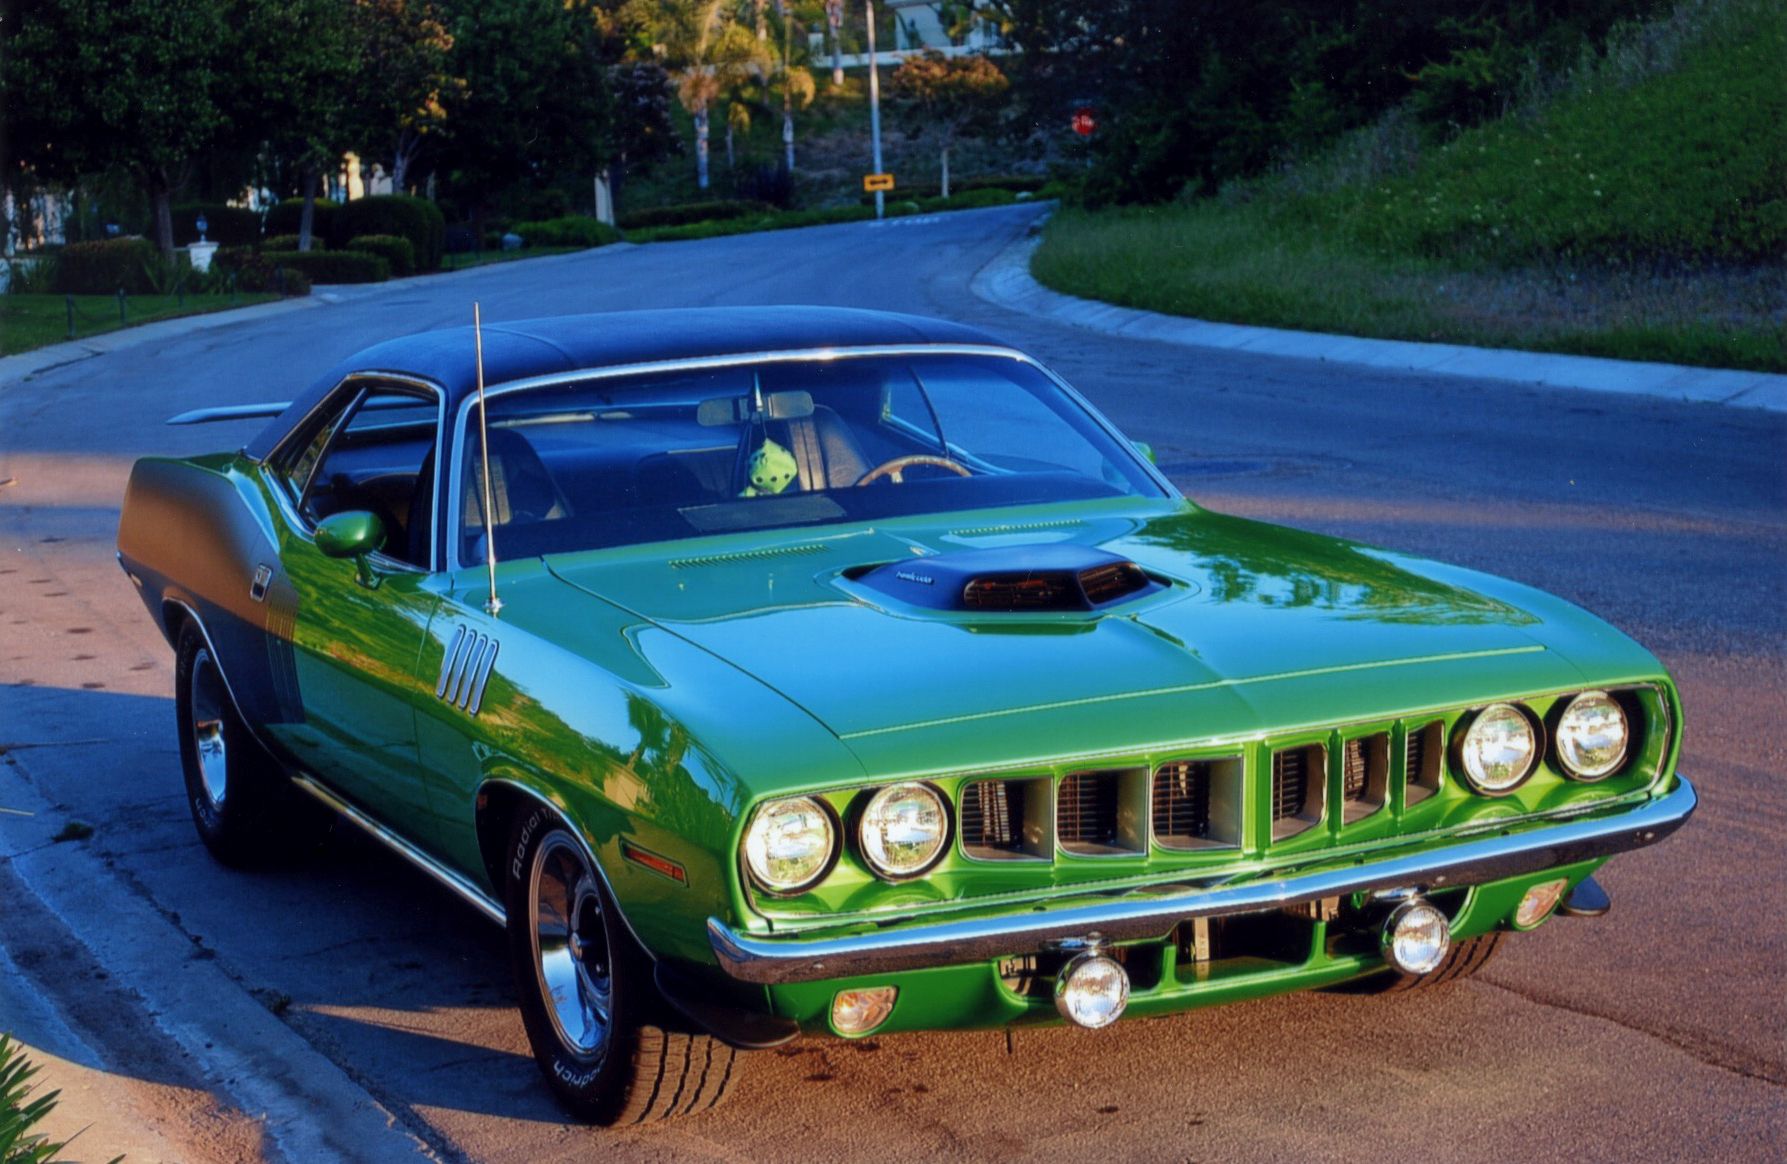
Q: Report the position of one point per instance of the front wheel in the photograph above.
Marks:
(586, 994)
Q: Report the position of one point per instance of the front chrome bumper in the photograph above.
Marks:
(1154, 914)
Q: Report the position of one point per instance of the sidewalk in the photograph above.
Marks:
(1006, 281)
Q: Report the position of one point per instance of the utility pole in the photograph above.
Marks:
(875, 107)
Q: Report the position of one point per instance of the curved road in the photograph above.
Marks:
(1657, 1032)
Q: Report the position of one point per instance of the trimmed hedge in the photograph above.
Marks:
(394, 249)
(284, 217)
(332, 266)
(230, 226)
(254, 273)
(288, 242)
(572, 230)
(107, 266)
(688, 212)
(404, 215)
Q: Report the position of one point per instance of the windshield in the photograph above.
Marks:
(619, 461)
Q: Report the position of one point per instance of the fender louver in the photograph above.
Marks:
(465, 670)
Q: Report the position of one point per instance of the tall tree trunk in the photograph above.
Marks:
(307, 220)
(788, 139)
(762, 25)
(834, 18)
(730, 161)
(701, 147)
(946, 171)
(400, 161)
(160, 194)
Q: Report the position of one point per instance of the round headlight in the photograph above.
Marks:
(1499, 750)
(904, 829)
(1591, 736)
(790, 844)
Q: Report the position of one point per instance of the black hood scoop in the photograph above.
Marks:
(1012, 579)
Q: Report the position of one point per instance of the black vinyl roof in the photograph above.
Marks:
(570, 343)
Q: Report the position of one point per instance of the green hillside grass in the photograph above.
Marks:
(1640, 212)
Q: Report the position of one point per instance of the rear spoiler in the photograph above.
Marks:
(231, 412)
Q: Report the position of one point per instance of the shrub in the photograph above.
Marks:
(284, 217)
(19, 1112)
(230, 226)
(574, 230)
(395, 249)
(404, 215)
(459, 240)
(101, 268)
(254, 272)
(288, 242)
(713, 211)
(332, 266)
(35, 274)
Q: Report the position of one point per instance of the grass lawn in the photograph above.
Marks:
(34, 321)
(1626, 218)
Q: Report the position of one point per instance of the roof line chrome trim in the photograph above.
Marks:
(230, 412)
(806, 355)
(773, 961)
(459, 884)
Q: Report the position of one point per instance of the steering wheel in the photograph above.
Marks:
(899, 465)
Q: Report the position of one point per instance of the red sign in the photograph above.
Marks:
(1084, 122)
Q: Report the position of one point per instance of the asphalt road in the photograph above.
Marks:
(1657, 1032)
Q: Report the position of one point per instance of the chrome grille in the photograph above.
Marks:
(1290, 782)
(1086, 810)
(1182, 801)
(992, 816)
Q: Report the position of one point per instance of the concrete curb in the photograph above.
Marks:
(308, 1107)
(1006, 281)
(27, 364)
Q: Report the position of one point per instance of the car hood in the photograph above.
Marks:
(1250, 617)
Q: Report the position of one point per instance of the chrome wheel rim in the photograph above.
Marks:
(570, 939)
(208, 740)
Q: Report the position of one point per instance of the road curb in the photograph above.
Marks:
(308, 1107)
(1007, 282)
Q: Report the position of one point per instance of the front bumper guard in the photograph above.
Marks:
(1145, 915)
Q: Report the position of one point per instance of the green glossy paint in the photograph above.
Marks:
(655, 693)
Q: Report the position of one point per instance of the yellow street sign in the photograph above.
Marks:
(874, 182)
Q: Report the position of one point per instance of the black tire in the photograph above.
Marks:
(636, 1067)
(1463, 960)
(235, 789)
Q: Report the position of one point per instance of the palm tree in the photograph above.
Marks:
(834, 19)
(715, 53)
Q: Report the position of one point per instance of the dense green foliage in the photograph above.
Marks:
(282, 218)
(571, 230)
(20, 1112)
(131, 265)
(256, 271)
(396, 250)
(682, 214)
(1617, 219)
(332, 266)
(230, 226)
(417, 219)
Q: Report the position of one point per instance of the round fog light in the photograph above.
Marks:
(1417, 937)
(857, 1012)
(1538, 903)
(1092, 990)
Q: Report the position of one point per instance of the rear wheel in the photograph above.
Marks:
(233, 786)
(592, 1015)
(1463, 960)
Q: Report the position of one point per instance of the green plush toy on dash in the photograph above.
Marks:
(772, 468)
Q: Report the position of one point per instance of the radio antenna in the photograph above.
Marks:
(493, 604)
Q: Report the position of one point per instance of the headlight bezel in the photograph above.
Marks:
(760, 881)
(1630, 717)
(859, 827)
(1461, 736)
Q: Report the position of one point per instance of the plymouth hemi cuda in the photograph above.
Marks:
(774, 672)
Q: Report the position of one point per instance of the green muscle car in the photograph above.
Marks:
(773, 672)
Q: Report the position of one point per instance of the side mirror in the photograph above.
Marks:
(353, 533)
(1147, 450)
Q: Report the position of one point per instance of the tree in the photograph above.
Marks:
(535, 108)
(299, 63)
(402, 92)
(714, 53)
(834, 24)
(644, 133)
(138, 85)
(948, 96)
